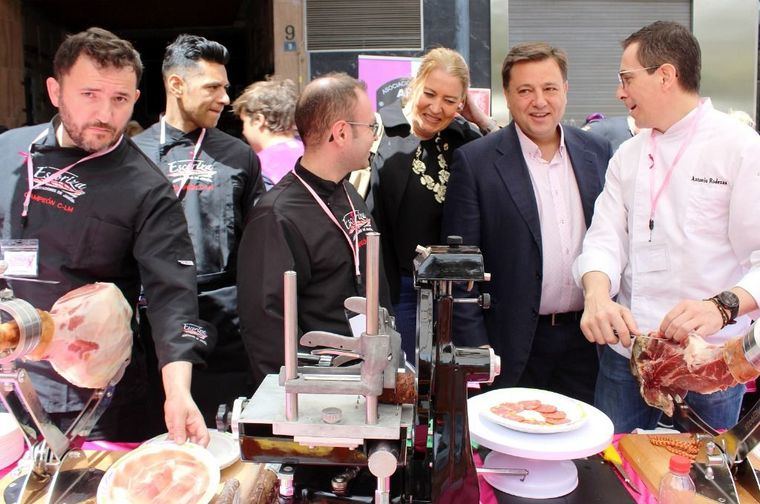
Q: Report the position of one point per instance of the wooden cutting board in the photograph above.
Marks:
(651, 464)
(256, 483)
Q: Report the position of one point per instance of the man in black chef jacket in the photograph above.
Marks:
(90, 207)
(217, 178)
(312, 222)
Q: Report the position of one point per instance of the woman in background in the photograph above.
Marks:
(267, 109)
(411, 170)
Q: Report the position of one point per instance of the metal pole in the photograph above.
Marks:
(291, 342)
(373, 282)
(372, 290)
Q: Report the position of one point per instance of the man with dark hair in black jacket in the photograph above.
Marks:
(217, 178)
(90, 207)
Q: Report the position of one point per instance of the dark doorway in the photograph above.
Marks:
(243, 26)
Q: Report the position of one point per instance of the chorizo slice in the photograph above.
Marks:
(530, 405)
(556, 415)
(546, 408)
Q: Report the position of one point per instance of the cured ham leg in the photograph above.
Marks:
(86, 336)
(665, 368)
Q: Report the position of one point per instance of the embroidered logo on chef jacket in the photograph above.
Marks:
(356, 223)
(197, 176)
(66, 185)
(195, 332)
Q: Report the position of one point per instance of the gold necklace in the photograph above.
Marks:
(438, 188)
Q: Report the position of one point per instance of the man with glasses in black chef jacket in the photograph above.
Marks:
(312, 222)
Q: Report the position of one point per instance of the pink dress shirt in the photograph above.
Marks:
(562, 224)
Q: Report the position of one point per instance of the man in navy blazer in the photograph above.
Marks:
(525, 196)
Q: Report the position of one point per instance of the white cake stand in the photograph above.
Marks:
(547, 457)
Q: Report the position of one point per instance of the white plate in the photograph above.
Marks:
(572, 408)
(223, 446)
(164, 451)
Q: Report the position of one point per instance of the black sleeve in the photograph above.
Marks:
(461, 216)
(270, 247)
(164, 252)
(255, 187)
(376, 206)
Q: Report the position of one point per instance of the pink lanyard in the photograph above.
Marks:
(353, 246)
(30, 169)
(196, 149)
(654, 196)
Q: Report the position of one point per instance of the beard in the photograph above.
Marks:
(78, 134)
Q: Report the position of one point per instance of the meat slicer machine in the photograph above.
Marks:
(54, 453)
(360, 432)
(723, 460)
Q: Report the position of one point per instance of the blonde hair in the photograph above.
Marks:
(442, 58)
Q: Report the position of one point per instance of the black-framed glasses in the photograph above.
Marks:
(621, 74)
(375, 127)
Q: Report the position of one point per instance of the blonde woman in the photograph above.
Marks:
(411, 170)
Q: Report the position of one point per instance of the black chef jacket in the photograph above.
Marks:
(222, 186)
(109, 219)
(290, 231)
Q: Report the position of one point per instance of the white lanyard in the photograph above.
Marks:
(354, 246)
(30, 169)
(654, 196)
(196, 149)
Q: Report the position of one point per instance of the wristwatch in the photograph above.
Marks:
(729, 302)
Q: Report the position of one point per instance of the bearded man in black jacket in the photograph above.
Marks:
(91, 207)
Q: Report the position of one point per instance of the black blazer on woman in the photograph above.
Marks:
(389, 191)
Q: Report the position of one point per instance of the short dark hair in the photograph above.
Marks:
(102, 46)
(324, 101)
(669, 42)
(532, 51)
(187, 50)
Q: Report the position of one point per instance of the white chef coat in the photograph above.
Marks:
(706, 235)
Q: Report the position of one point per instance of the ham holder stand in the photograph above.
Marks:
(53, 452)
(723, 460)
(376, 430)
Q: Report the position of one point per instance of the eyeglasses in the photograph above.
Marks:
(375, 127)
(623, 82)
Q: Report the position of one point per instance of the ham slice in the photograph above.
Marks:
(86, 336)
(169, 476)
(665, 368)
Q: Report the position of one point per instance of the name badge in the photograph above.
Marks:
(651, 257)
(21, 257)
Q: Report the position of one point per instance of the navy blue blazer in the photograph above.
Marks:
(490, 202)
